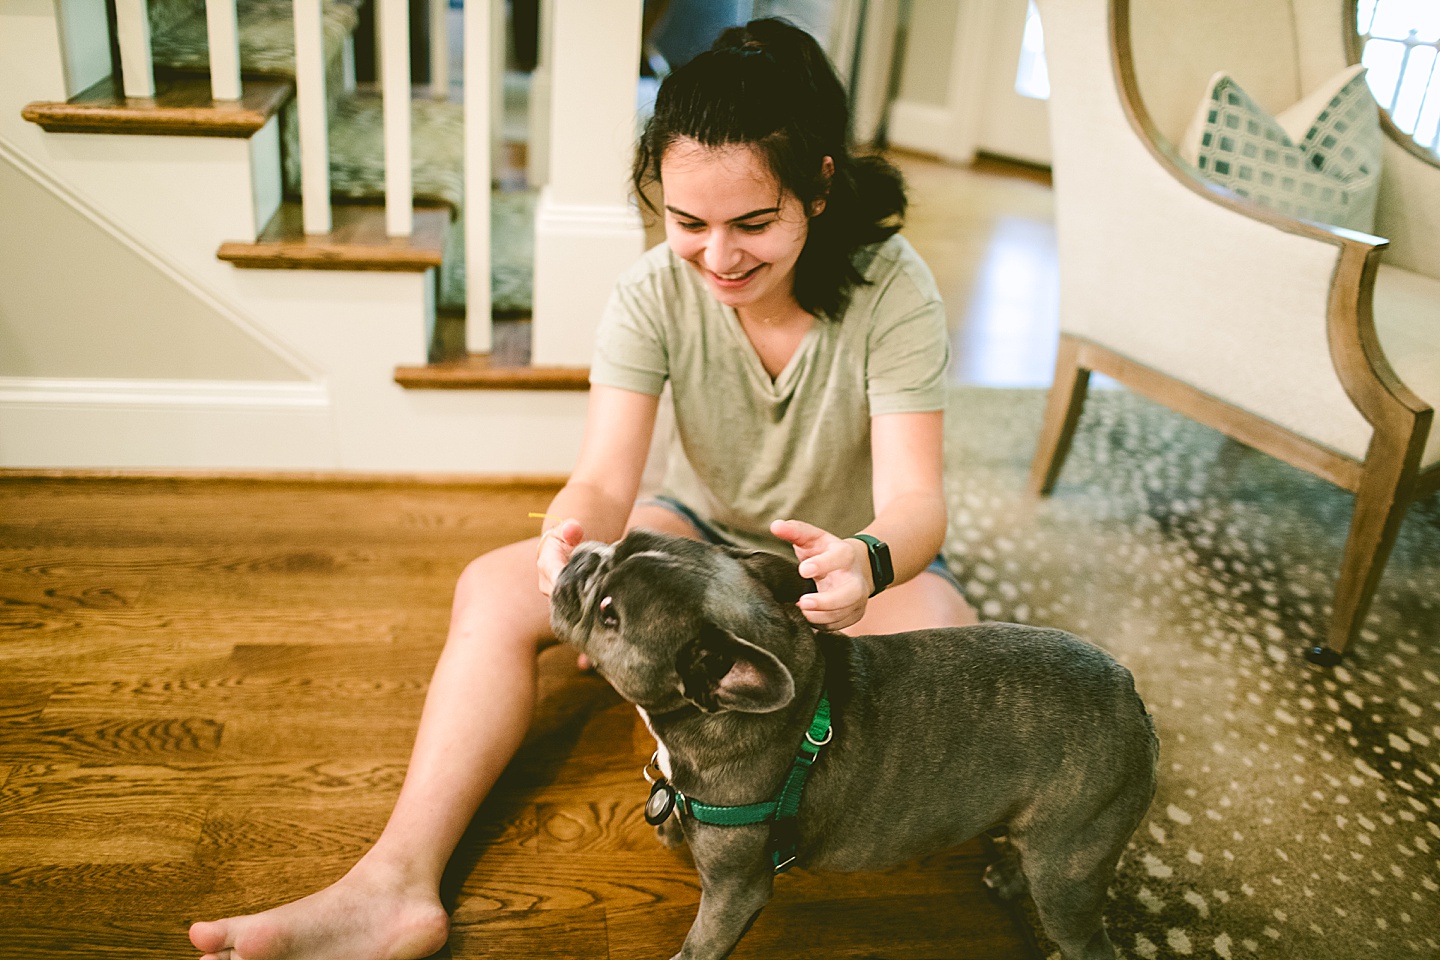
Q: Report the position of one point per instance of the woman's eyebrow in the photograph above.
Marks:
(763, 212)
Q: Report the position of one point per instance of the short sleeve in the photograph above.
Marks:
(908, 350)
(630, 344)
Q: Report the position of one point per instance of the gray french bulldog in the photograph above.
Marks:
(935, 735)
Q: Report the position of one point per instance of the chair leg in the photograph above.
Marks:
(1062, 413)
(1384, 495)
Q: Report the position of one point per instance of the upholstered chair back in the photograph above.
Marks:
(1217, 320)
(1278, 50)
(1177, 46)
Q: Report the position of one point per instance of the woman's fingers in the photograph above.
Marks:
(806, 538)
(556, 546)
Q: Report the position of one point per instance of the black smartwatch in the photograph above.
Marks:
(882, 571)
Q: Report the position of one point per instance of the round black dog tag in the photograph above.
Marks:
(661, 802)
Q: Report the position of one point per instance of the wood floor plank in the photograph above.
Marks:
(22, 700)
(32, 596)
(577, 934)
(120, 933)
(912, 927)
(98, 836)
(239, 826)
(202, 688)
(73, 789)
(619, 881)
(61, 883)
(109, 741)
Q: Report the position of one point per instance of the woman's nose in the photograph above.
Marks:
(721, 255)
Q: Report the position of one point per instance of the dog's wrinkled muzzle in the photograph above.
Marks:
(568, 600)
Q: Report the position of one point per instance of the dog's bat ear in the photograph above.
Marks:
(720, 671)
(780, 576)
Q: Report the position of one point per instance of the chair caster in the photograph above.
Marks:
(1322, 656)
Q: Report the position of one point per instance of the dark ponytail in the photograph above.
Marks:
(769, 85)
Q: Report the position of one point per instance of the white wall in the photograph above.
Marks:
(77, 301)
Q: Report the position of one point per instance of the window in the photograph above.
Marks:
(1400, 45)
(1032, 79)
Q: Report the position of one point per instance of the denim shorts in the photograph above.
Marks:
(938, 566)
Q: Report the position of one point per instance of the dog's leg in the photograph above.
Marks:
(669, 833)
(1069, 873)
(731, 896)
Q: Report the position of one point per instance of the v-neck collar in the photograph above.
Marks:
(784, 383)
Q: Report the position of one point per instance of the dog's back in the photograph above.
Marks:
(973, 727)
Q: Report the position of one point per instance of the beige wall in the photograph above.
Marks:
(925, 76)
(77, 302)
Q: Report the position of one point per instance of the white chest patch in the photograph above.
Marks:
(662, 756)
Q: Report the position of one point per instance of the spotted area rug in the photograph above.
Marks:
(1298, 809)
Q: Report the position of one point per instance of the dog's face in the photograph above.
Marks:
(669, 621)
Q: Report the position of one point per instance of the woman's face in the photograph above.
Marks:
(726, 215)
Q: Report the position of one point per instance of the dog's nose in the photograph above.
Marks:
(582, 563)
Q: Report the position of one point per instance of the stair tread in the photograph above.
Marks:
(479, 371)
(182, 106)
(357, 241)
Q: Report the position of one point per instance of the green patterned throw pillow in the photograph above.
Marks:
(1318, 161)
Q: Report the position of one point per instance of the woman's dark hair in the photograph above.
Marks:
(768, 84)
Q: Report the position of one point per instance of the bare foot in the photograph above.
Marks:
(359, 917)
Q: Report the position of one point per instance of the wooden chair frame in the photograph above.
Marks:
(1384, 483)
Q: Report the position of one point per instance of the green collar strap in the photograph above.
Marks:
(780, 812)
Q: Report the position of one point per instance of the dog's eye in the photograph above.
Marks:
(608, 616)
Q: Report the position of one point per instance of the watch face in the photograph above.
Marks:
(887, 570)
(882, 571)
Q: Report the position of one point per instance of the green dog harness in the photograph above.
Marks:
(780, 813)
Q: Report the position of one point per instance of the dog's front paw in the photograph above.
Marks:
(669, 833)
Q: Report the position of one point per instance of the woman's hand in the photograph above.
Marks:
(556, 546)
(840, 569)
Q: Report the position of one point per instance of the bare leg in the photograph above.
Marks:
(476, 713)
(477, 710)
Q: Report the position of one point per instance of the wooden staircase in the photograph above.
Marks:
(182, 106)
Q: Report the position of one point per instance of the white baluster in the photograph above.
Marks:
(314, 135)
(497, 84)
(537, 159)
(439, 49)
(395, 88)
(478, 23)
(132, 28)
(586, 229)
(224, 32)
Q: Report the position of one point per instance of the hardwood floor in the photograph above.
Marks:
(208, 698)
(209, 688)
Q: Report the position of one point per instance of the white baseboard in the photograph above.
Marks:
(47, 422)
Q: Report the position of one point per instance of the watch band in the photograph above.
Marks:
(882, 571)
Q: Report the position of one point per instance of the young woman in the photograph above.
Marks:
(805, 345)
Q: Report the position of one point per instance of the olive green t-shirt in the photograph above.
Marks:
(752, 450)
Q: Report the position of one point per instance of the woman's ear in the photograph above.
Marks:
(827, 173)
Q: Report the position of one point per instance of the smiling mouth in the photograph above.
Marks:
(737, 277)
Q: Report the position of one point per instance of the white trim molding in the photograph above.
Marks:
(253, 394)
(165, 424)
